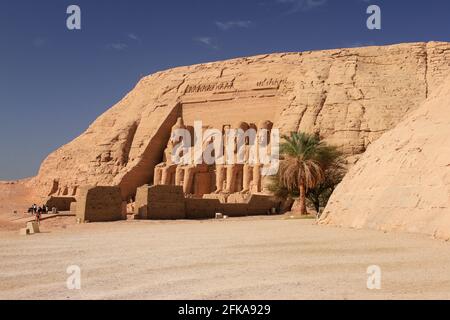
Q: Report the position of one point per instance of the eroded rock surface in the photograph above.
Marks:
(402, 182)
(349, 96)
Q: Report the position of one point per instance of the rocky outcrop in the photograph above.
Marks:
(349, 96)
(402, 182)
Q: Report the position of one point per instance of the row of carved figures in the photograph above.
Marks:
(202, 178)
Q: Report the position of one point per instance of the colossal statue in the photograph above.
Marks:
(237, 166)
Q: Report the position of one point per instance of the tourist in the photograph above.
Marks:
(34, 208)
(44, 211)
(38, 216)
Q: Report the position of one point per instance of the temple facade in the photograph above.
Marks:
(200, 179)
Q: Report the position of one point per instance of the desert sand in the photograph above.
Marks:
(246, 258)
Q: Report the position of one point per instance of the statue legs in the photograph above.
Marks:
(232, 177)
(167, 175)
(220, 178)
(188, 179)
(179, 176)
(157, 175)
(247, 178)
(257, 178)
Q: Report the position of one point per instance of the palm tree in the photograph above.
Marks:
(304, 161)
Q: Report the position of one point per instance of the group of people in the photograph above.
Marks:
(38, 211)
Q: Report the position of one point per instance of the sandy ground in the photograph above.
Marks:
(248, 258)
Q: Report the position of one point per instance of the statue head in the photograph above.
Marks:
(179, 124)
(242, 125)
(266, 125)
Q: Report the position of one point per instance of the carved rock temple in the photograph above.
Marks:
(353, 98)
(349, 97)
(222, 179)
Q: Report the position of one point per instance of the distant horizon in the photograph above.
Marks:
(56, 82)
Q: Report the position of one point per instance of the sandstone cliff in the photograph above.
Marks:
(349, 96)
(402, 182)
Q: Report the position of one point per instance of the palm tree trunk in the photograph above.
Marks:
(302, 199)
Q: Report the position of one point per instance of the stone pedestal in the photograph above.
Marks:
(24, 232)
(33, 227)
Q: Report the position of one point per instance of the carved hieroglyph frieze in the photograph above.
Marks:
(270, 83)
(267, 83)
(207, 87)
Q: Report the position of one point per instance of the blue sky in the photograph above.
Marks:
(55, 82)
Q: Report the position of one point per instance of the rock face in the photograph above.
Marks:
(348, 96)
(402, 182)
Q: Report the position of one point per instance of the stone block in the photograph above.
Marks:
(124, 210)
(99, 204)
(73, 208)
(33, 227)
(160, 202)
(24, 232)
